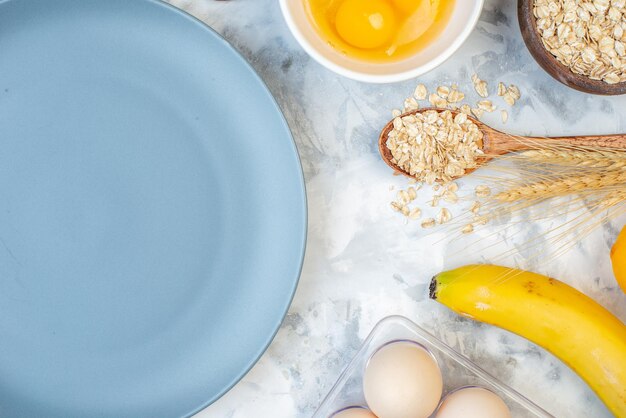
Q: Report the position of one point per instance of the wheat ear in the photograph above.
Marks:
(575, 157)
(563, 186)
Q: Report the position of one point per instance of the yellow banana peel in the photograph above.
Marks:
(572, 326)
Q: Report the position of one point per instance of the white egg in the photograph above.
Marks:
(402, 380)
(473, 402)
(354, 412)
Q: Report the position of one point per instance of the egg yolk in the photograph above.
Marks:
(407, 6)
(366, 24)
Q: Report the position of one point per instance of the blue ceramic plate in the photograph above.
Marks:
(152, 211)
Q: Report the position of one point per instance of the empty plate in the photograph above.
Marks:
(152, 211)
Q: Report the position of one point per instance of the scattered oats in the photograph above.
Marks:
(514, 92)
(444, 216)
(410, 104)
(396, 206)
(415, 213)
(405, 211)
(455, 96)
(437, 100)
(481, 89)
(480, 86)
(466, 109)
(452, 187)
(501, 89)
(435, 202)
(508, 99)
(475, 207)
(436, 187)
(395, 113)
(477, 112)
(468, 229)
(428, 223)
(505, 115)
(584, 35)
(420, 92)
(403, 197)
(483, 191)
(486, 105)
(450, 197)
(443, 91)
(412, 193)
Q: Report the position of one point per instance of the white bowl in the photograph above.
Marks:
(462, 22)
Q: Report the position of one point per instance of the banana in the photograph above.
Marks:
(570, 325)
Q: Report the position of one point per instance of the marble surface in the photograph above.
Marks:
(364, 261)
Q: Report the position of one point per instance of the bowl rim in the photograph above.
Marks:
(551, 65)
(392, 76)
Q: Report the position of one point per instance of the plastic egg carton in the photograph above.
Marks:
(457, 371)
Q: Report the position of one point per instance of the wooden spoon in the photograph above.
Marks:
(497, 143)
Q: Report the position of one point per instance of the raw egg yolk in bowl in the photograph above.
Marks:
(379, 30)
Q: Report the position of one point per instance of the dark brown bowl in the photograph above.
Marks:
(550, 64)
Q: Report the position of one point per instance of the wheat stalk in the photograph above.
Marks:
(563, 186)
(588, 183)
(583, 157)
(613, 199)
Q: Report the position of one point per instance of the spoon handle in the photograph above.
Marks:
(605, 141)
(498, 143)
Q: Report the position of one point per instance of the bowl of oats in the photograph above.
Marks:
(581, 43)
